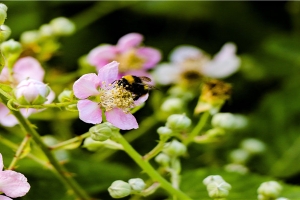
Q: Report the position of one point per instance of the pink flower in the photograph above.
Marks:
(97, 92)
(24, 68)
(133, 57)
(12, 184)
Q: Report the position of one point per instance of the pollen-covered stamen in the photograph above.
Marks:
(117, 97)
(130, 61)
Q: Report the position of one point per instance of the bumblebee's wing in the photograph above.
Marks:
(145, 78)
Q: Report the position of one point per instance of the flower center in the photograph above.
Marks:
(117, 97)
(130, 61)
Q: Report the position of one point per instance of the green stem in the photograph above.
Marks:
(65, 176)
(156, 150)
(70, 141)
(197, 129)
(19, 152)
(155, 176)
(15, 147)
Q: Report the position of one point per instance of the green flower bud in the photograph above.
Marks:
(3, 13)
(163, 159)
(29, 37)
(45, 31)
(62, 26)
(65, 96)
(164, 131)
(229, 121)
(93, 145)
(174, 148)
(215, 132)
(239, 156)
(4, 33)
(137, 184)
(178, 122)
(102, 132)
(212, 178)
(270, 189)
(218, 189)
(253, 146)
(11, 47)
(119, 189)
(236, 168)
(172, 105)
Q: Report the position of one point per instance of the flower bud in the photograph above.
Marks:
(29, 37)
(11, 47)
(172, 105)
(102, 132)
(30, 91)
(218, 189)
(239, 156)
(228, 121)
(65, 96)
(178, 122)
(270, 189)
(162, 159)
(119, 189)
(164, 131)
(62, 26)
(215, 132)
(253, 146)
(174, 148)
(212, 178)
(137, 184)
(93, 145)
(45, 31)
(236, 168)
(3, 13)
(4, 33)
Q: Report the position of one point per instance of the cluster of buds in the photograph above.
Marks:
(120, 189)
(4, 30)
(216, 186)
(239, 157)
(43, 42)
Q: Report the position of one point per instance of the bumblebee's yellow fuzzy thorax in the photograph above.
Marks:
(129, 78)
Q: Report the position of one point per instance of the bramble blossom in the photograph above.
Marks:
(133, 58)
(12, 184)
(189, 63)
(24, 68)
(97, 92)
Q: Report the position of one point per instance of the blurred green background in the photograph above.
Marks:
(266, 89)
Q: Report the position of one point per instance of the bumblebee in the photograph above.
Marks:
(136, 85)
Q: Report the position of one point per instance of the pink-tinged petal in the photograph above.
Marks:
(224, 64)
(102, 55)
(6, 118)
(87, 85)
(13, 184)
(166, 74)
(4, 75)
(28, 67)
(121, 120)
(89, 111)
(129, 41)
(150, 55)
(182, 53)
(4, 198)
(1, 163)
(141, 100)
(109, 72)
